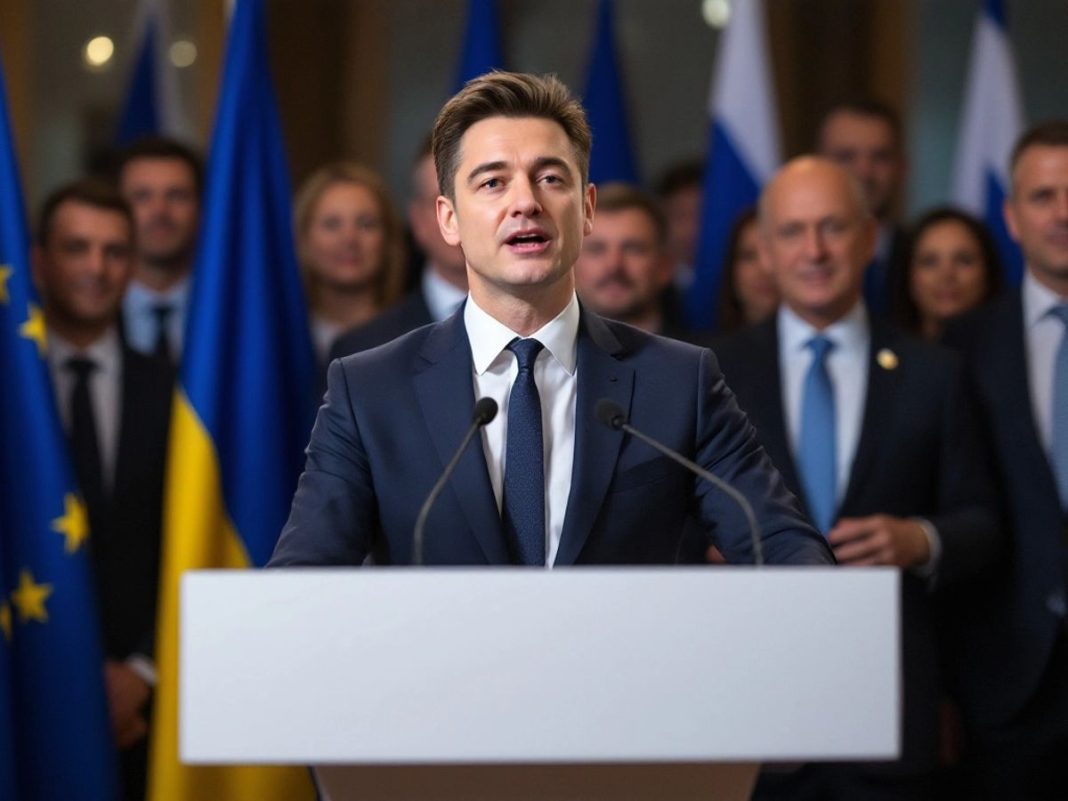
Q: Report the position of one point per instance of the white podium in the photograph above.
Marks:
(625, 683)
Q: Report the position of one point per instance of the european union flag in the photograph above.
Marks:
(56, 739)
(245, 402)
(482, 44)
(612, 158)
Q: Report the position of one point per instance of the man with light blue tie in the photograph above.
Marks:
(1014, 657)
(872, 429)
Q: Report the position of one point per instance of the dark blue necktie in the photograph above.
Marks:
(817, 448)
(523, 507)
(1059, 449)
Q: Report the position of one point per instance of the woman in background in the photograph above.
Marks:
(749, 294)
(950, 265)
(350, 244)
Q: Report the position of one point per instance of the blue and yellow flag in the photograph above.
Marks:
(55, 737)
(245, 400)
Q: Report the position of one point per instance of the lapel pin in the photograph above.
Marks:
(887, 359)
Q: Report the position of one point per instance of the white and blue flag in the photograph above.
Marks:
(991, 121)
(743, 149)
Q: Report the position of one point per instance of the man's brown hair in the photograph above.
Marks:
(507, 94)
(1051, 133)
(95, 192)
(624, 197)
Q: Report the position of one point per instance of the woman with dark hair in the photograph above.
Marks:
(748, 293)
(350, 244)
(950, 264)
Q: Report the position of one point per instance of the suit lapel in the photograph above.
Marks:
(600, 375)
(445, 390)
(766, 403)
(880, 399)
(1007, 363)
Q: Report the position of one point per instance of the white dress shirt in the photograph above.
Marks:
(1042, 338)
(139, 320)
(324, 333)
(847, 364)
(555, 373)
(105, 391)
(442, 298)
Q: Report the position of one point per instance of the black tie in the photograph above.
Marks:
(162, 313)
(524, 469)
(85, 447)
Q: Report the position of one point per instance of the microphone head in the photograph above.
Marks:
(485, 411)
(610, 413)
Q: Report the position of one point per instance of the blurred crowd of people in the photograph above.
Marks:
(950, 463)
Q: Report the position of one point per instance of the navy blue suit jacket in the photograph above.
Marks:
(919, 455)
(394, 415)
(1014, 623)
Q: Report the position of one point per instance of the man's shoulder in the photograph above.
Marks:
(412, 312)
(629, 343)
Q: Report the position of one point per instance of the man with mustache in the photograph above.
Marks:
(161, 180)
(624, 265)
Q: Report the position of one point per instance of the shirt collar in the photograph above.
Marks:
(143, 297)
(849, 332)
(442, 298)
(1038, 299)
(489, 336)
(105, 352)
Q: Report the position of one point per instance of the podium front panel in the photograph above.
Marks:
(484, 666)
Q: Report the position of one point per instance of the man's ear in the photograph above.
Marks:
(447, 222)
(588, 205)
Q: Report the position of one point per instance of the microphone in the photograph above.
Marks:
(612, 415)
(484, 412)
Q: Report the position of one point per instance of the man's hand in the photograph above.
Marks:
(879, 540)
(127, 694)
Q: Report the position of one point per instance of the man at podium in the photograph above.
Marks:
(548, 483)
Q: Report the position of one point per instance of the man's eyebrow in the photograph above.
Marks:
(551, 161)
(489, 166)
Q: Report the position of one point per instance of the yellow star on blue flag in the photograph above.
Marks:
(5, 273)
(29, 598)
(74, 523)
(34, 328)
(5, 620)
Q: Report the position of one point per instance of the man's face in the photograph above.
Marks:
(816, 240)
(865, 145)
(83, 268)
(1037, 213)
(520, 209)
(622, 267)
(163, 195)
(422, 217)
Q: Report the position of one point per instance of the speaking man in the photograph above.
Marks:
(547, 485)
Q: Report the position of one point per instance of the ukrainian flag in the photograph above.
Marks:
(245, 401)
(55, 737)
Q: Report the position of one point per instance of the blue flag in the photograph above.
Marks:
(482, 42)
(991, 120)
(743, 150)
(245, 402)
(151, 106)
(612, 157)
(54, 717)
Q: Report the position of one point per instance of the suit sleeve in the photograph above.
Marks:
(334, 516)
(968, 522)
(727, 446)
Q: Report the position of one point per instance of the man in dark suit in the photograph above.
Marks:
(1014, 655)
(547, 484)
(443, 285)
(115, 408)
(872, 430)
(864, 137)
